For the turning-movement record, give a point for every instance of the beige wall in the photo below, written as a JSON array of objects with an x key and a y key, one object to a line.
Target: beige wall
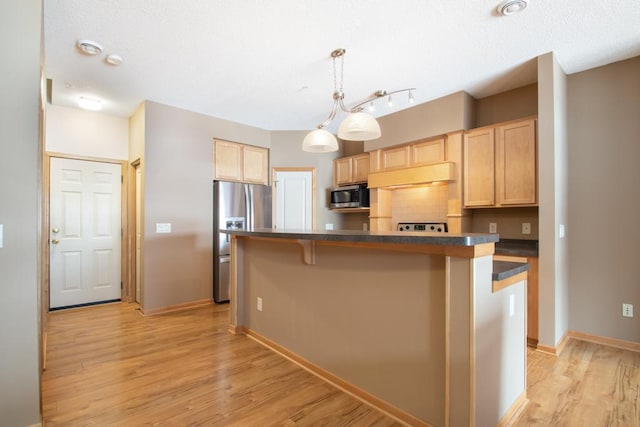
[
  {"x": 552, "y": 191},
  {"x": 326, "y": 313},
  {"x": 86, "y": 133},
  {"x": 178, "y": 189},
  {"x": 20, "y": 37},
  {"x": 286, "y": 151},
  {"x": 447, "y": 114},
  {"x": 509, "y": 105},
  {"x": 604, "y": 199},
  {"x": 508, "y": 221}
]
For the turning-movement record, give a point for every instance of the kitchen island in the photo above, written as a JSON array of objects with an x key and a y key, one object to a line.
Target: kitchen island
[{"x": 409, "y": 322}]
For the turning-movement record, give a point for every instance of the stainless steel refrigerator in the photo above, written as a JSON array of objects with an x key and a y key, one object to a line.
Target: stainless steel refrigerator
[{"x": 235, "y": 206}]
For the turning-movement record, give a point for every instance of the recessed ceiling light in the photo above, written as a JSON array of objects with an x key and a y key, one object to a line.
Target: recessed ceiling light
[
  {"x": 113, "y": 59},
  {"x": 92, "y": 104},
  {"x": 509, "y": 7},
  {"x": 89, "y": 47}
]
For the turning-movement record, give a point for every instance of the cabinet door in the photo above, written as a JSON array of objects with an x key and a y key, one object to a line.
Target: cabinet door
[
  {"x": 360, "y": 168},
  {"x": 255, "y": 164},
  {"x": 228, "y": 160},
  {"x": 427, "y": 152},
  {"x": 516, "y": 163},
  {"x": 479, "y": 166},
  {"x": 342, "y": 171},
  {"x": 395, "y": 158}
]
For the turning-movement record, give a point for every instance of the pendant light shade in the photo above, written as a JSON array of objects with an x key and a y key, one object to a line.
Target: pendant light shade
[
  {"x": 320, "y": 141},
  {"x": 359, "y": 126}
]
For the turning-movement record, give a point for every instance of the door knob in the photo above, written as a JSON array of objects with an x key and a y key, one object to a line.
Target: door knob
[
  {"x": 55, "y": 241},
  {"x": 56, "y": 230}
]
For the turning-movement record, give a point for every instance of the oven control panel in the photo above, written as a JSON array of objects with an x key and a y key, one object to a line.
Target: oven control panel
[{"x": 426, "y": 227}]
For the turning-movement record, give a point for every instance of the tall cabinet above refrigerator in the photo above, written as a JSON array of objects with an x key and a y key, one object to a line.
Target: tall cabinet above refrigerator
[{"x": 236, "y": 206}]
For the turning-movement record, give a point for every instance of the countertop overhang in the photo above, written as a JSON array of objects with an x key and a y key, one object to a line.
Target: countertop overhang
[{"x": 355, "y": 236}]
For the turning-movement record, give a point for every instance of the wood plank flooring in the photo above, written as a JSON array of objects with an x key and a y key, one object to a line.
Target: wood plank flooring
[
  {"x": 109, "y": 365},
  {"x": 587, "y": 385}
]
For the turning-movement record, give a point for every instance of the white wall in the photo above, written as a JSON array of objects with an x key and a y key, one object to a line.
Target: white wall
[
  {"x": 20, "y": 32},
  {"x": 86, "y": 133}
]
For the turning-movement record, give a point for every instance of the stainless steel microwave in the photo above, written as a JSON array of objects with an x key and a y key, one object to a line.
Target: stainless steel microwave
[{"x": 351, "y": 196}]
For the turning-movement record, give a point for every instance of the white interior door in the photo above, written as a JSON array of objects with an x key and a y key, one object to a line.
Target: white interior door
[
  {"x": 85, "y": 235},
  {"x": 294, "y": 200}
]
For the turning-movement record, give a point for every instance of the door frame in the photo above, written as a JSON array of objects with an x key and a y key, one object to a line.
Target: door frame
[
  {"x": 274, "y": 172},
  {"x": 46, "y": 222},
  {"x": 132, "y": 231}
]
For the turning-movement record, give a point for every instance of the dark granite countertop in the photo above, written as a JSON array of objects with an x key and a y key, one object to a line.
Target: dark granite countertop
[
  {"x": 516, "y": 247},
  {"x": 505, "y": 269},
  {"x": 402, "y": 237}
]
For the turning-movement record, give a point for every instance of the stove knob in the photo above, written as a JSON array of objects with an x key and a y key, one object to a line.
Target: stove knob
[
  {"x": 406, "y": 227},
  {"x": 439, "y": 229}
]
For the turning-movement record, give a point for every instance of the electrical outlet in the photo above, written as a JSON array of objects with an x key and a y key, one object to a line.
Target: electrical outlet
[
  {"x": 526, "y": 228},
  {"x": 493, "y": 227},
  {"x": 627, "y": 310},
  {"x": 259, "y": 304}
]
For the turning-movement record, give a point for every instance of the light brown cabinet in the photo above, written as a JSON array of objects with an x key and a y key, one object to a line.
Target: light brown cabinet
[
  {"x": 427, "y": 152},
  {"x": 500, "y": 165},
  {"x": 241, "y": 162},
  {"x": 409, "y": 155},
  {"x": 351, "y": 170}
]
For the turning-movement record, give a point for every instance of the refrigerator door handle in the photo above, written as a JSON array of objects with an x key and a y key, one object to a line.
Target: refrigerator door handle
[{"x": 248, "y": 191}]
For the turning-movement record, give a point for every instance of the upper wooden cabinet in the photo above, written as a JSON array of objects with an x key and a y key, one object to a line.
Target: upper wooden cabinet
[
  {"x": 406, "y": 156},
  {"x": 351, "y": 170},
  {"x": 500, "y": 165},
  {"x": 424, "y": 153},
  {"x": 394, "y": 158},
  {"x": 240, "y": 162}
]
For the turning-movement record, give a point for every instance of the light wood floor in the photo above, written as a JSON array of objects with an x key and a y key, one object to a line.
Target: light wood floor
[
  {"x": 108, "y": 365},
  {"x": 587, "y": 385}
]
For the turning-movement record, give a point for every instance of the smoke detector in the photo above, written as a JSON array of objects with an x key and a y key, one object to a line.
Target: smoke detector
[
  {"x": 509, "y": 7},
  {"x": 113, "y": 59},
  {"x": 89, "y": 47}
]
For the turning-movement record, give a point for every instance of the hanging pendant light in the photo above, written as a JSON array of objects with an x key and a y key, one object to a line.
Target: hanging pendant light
[
  {"x": 320, "y": 141},
  {"x": 357, "y": 126}
]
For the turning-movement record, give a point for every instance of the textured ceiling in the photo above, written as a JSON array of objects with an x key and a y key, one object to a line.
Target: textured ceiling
[{"x": 267, "y": 64}]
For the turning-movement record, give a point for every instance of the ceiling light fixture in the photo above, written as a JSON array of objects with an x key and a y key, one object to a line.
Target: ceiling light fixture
[
  {"x": 91, "y": 104},
  {"x": 509, "y": 7},
  {"x": 89, "y": 47},
  {"x": 357, "y": 126}
]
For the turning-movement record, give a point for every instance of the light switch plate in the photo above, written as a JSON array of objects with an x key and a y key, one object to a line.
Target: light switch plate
[
  {"x": 493, "y": 227},
  {"x": 526, "y": 228},
  {"x": 163, "y": 228},
  {"x": 328, "y": 226}
]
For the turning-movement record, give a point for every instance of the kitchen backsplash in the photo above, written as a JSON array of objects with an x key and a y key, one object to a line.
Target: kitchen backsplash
[
  {"x": 423, "y": 203},
  {"x": 508, "y": 220}
]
